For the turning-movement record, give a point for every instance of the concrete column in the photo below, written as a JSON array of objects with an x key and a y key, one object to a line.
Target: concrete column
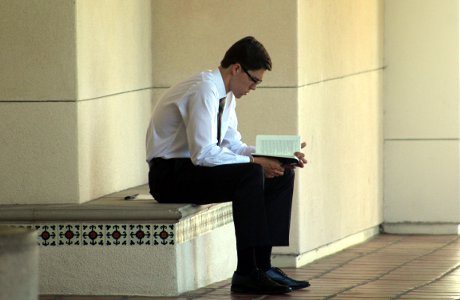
[
  {"x": 18, "y": 264},
  {"x": 73, "y": 119},
  {"x": 340, "y": 67},
  {"x": 37, "y": 108},
  {"x": 422, "y": 123}
]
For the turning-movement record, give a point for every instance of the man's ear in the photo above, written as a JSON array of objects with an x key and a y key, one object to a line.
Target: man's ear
[{"x": 236, "y": 68}]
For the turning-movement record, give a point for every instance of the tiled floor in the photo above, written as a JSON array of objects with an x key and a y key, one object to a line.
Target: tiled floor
[{"x": 386, "y": 267}]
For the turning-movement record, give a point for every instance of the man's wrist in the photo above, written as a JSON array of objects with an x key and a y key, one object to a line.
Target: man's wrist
[{"x": 251, "y": 159}]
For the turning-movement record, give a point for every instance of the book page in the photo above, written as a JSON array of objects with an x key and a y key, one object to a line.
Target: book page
[{"x": 284, "y": 145}]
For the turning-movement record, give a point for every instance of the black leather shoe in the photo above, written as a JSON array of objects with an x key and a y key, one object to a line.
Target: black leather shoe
[
  {"x": 280, "y": 277},
  {"x": 257, "y": 283}
]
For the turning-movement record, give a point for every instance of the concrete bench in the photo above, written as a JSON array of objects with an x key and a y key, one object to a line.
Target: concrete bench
[{"x": 113, "y": 246}]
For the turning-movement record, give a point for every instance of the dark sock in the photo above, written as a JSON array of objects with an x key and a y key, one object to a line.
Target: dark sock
[
  {"x": 246, "y": 261},
  {"x": 263, "y": 256}
]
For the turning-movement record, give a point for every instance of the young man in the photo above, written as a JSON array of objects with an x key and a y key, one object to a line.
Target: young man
[{"x": 196, "y": 155}]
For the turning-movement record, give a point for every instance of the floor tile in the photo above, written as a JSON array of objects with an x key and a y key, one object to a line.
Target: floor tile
[{"x": 385, "y": 267}]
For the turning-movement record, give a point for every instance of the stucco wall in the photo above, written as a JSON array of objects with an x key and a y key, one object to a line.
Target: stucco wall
[
  {"x": 340, "y": 116},
  {"x": 422, "y": 167},
  {"x": 75, "y": 96},
  {"x": 38, "y": 118},
  {"x": 325, "y": 85},
  {"x": 114, "y": 94}
]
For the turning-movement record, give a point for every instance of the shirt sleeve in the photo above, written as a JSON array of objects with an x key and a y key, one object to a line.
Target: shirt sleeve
[{"x": 200, "y": 119}]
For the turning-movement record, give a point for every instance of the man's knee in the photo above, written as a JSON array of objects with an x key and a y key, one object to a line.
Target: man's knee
[
  {"x": 252, "y": 174},
  {"x": 256, "y": 169}
]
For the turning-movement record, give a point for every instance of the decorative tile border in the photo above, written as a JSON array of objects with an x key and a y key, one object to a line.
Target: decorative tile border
[
  {"x": 50, "y": 235},
  {"x": 125, "y": 234}
]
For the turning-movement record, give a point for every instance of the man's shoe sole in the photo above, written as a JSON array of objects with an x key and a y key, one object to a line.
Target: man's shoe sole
[{"x": 245, "y": 290}]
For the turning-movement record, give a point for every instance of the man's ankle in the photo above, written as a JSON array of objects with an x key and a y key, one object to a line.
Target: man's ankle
[{"x": 245, "y": 271}]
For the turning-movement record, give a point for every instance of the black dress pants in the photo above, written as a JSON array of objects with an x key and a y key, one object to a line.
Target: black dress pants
[{"x": 261, "y": 206}]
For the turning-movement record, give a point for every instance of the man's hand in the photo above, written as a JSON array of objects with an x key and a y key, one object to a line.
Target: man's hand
[
  {"x": 301, "y": 157},
  {"x": 272, "y": 167}
]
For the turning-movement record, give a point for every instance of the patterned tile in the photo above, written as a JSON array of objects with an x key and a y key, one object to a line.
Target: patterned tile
[
  {"x": 93, "y": 234},
  {"x": 140, "y": 234},
  {"x": 96, "y": 234},
  {"x": 116, "y": 234},
  {"x": 163, "y": 234},
  {"x": 69, "y": 234},
  {"x": 104, "y": 234},
  {"x": 47, "y": 234}
]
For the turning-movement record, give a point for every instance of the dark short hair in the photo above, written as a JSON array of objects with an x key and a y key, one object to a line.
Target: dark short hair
[{"x": 248, "y": 52}]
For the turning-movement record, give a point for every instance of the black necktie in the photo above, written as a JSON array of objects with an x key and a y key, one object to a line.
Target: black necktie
[{"x": 219, "y": 118}]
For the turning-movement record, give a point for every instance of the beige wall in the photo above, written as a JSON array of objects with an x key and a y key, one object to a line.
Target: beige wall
[
  {"x": 38, "y": 118},
  {"x": 194, "y": 35},
  {"x": 340, "y": 117},
  {"x": 38, "y": 50},
  {"x": 325, "y": 85},
  {"x": 75, "y": 96},
  {"x": 114, "y": 94},
  {"x": 422, "y": 178}
]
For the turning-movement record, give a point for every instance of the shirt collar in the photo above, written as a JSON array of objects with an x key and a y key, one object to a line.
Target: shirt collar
[{"x": 219, "y": 81}]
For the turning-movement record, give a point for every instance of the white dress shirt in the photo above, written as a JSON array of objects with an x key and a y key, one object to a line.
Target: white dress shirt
[{"x": 184, "y": 124}]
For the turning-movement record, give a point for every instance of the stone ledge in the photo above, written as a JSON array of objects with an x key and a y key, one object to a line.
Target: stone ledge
[
  {"x": 111, "y": 207},
  {"x": 110, "y": 241},
  {"x": 103, "y": 219}
]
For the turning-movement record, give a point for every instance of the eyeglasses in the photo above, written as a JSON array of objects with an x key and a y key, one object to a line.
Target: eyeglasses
[{"x": 253, "y": 79}]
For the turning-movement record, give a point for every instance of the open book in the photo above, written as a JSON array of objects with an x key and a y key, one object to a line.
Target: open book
[{"x": 280, "y": 147}]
